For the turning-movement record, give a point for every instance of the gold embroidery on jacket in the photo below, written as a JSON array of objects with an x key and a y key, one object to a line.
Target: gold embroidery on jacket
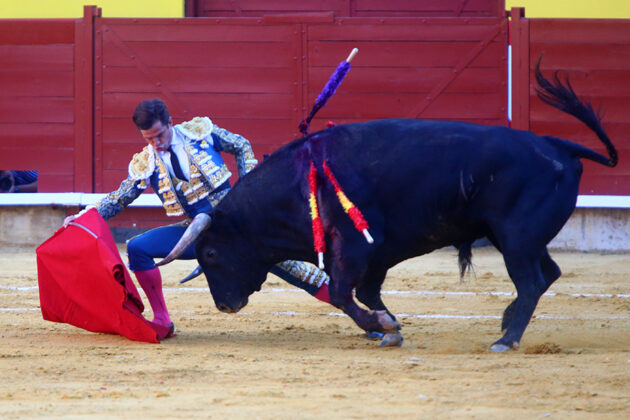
[
  {"x": 213, "y": 173},
  {"x": 165, "y": 188}
]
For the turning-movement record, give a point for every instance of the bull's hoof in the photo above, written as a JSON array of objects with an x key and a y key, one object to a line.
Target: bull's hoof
[
  {"x": 374, "y": 335},
  {"x": 387, "y": 322},
  {"x": 392, "y": 340},
  {"x": 500, "y": 347}
]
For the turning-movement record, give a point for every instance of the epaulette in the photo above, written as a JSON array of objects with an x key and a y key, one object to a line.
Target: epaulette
[
  {"x": 197, "y": 129},
  {"x": 142, "y": 164}
]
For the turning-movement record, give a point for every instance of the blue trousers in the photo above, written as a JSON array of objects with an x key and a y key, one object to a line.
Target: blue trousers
[{"x": 156, "y": 243}]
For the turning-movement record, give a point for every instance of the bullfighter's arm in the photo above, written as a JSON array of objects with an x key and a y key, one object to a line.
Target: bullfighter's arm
[
  {"x": 237, "y": 145},
  {"x": 116, "y": 201}
]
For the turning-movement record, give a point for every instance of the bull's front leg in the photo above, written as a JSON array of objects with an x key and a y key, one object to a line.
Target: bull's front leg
[{"x": 341, "y": 285}]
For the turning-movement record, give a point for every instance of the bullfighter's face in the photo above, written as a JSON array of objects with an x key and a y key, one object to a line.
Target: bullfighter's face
[{"x": 159, "y": 135}]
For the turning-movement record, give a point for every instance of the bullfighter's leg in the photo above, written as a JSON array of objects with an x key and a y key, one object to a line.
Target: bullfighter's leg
[
  {"x": 305, "y": 276},
  {"x": 527, "y": 275},
  {"x": 550, "y": 271},
  {"x": 141, "y": 250}
]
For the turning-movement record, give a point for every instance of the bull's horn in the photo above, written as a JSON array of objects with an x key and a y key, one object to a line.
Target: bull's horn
[
  {"x": 198, "y": 225},
  {"x": 196, "y": 272}
]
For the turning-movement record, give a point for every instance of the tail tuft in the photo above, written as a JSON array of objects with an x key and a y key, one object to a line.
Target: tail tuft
[
  {"x": 562, "y": 96},
  {"x": 464, "y": 258}
]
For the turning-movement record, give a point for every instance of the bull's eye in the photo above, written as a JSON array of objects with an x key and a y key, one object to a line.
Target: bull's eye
[{"x": 211, "y": 254}]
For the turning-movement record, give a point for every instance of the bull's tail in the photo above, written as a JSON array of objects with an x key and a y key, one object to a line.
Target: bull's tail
[
  {"x": 561, "y": 95},
  {"x": 464, "y": 258}
]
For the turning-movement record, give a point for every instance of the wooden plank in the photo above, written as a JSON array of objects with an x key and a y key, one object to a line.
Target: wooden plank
[
  {"x": 113, "y": 178},
  {"x": 262, "y": 7},
  {"x": 404, "y": 54},
  {"x": 580, "y": 31},
  {"x": 199, "y": 54},
  {"x": 36, "y": 110},
  {"x": 117, "y": 156},
  {"x": 520, "y": 34},
  {"x": 31, "y": 57},
  {"x": 98, "y": 126},
  {"x": 320, "y": 123},
  {"x": 425, "y": 7},
  {"x": 190, "y": 8},
  {"x": 35, "y": 135},
  {"x": 58, "y": 160},
  {"x": 594, "y": 83},
  {"x": 148, "y": 30},
  {"x": 605, "y": 184},
  {"x": 616, "y": 109},
  {"x": 36, "y": 31},
  {"x": 50, "y": 183},
  {"x": 461, "y": 66},
  {"x": 302, "y": 17},
  {"x": 250, "y": 79},
  {"x": 84, "y": 102},
  {"x": 268, "y": 106},
  {"x": 36, "y": 82},
  {"x": 142, "y": 218},
  {"x": 383, "y": 105},
  {"x": 583, "y": 57},
  {"x": 425, "y": 31},
  {"x": 411, "y": 79}
]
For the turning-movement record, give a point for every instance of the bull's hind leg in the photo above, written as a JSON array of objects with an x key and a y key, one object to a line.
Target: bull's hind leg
[
  {"x": 550, "y": 271},
  {"x": 527, "y": 274}
]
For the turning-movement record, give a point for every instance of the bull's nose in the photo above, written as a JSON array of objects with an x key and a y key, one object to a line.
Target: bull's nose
[{"x": 224, "y": 308}]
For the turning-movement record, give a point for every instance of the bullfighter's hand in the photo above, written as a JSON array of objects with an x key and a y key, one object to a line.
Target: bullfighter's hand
[{"x": 69, "y": 219}]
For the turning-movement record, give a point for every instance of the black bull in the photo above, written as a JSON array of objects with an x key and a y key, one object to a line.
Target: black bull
[{"x": 421, "y": 185}]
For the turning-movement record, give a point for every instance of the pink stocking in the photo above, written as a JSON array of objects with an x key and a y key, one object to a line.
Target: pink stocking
[{"x": 151, "y": 283}]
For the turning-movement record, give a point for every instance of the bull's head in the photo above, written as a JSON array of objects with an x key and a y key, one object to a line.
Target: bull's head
[
  {"x": 230, "y": 264},
  {"x": 226, "y": 259}
]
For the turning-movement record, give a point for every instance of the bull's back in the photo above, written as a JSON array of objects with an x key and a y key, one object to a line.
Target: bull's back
[{"x": 437, "y": 182}]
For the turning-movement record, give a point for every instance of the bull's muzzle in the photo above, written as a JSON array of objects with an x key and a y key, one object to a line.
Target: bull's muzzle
[
  {"x": 225, "y": 308},
  {"x": 198, "y": 225}
]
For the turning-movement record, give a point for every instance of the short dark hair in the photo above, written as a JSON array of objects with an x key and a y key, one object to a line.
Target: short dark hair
[{"x": 148, "y": 112}]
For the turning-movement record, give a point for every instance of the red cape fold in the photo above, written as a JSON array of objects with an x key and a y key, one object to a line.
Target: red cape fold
[{"x": 83, "y": 282}]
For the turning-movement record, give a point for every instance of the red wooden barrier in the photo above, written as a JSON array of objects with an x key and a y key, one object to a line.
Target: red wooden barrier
[
  {"x": 347, "y": 8},
  {"x": 37, "y": 99},
  {"x": 595, "y": 54},
  {"x": 259, "y": 79}
]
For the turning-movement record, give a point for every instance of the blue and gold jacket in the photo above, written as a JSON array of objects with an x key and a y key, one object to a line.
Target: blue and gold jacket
[
  {"x": 209, "y": 175},
  {"x": 208, "y": 183}
]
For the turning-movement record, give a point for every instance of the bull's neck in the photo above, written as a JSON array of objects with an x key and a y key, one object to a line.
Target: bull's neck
[{"x": 276, "y": 220}]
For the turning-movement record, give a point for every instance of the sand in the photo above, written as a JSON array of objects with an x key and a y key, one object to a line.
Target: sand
[{"x": 289, "y": 356}]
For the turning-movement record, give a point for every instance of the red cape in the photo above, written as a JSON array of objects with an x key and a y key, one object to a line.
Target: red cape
[{"x": 83, "y": 282}]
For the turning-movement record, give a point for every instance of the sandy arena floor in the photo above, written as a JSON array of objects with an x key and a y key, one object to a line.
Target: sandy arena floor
[{"x": 288, "y": 356}]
